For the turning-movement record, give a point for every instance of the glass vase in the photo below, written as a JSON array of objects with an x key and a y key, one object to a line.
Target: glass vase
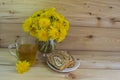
[{"x": 45, "y": 48}]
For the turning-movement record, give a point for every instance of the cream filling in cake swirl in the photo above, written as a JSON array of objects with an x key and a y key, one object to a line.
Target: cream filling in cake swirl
[
  {"x": 70, "y": 58},
  {"x": 58, "y": 61}
]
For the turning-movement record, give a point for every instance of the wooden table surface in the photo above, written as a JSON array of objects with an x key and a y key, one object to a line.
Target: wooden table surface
[{"x": 93, "y": 67}]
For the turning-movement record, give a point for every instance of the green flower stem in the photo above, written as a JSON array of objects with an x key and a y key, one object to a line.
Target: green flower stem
[
  {"x": 43, "y": 46},
  {"x": 46, "y": 47},
  {"x": 52, "y": 45}
]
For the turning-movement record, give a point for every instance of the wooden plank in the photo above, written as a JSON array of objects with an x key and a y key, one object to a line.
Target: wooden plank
[
  {"x": 94, "y": 66},
  {"x": 42, "y": 71},
  {"x": 88, "y": 59},
  {"x": 35, "y": 73},
  {"x": 95, "y": 74},
  {"x": 9, "y": 33},
  {"x": 45, "y": 73},
  {"x": 92, "y": 13},
  {"x": 79, "y": 38},
  {"x": 6, "y": 58},
  {"x": 82, "y": 38},
  {"x": 97, "y": 59}
]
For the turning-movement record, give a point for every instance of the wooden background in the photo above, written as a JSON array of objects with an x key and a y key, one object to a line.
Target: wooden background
[{"x": 94, "y": 34}]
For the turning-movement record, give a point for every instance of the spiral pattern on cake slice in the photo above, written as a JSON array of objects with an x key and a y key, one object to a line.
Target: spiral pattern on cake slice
[
  {"x": 71, "y": 61},
  {"x": 58, "y": 60},
  {"x": 71, "y": 58}
]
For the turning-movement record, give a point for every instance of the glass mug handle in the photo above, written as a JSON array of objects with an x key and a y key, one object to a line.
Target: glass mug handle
[{"x": 12, "y": 52}]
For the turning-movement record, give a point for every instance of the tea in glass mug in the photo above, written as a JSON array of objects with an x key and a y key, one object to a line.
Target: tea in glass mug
[{"x": 26, "y": 49}]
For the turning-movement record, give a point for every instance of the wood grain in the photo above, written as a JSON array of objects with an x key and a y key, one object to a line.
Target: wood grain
[
  {"x": 94, "y": 66},
  {"x": 94, "y": 24},
  {"x": 94, "y": 38},
  {"x": 37, "y": 73},
  {"x": 82, "y": 38},
  {"x": 88, "y": 59},
  {"x": 97, "y": 59},
  {"x": 79, "y": 38},
  {"x": 9, "y": 33},
  {"x": 93, "y": 13},
  {"x": 46, "y": 73}
]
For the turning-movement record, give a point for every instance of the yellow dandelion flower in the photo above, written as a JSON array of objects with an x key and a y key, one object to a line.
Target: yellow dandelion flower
[
  {"x": 43, "y": 35},
  {"x": 27, "y": 24},
  {"x": 59, "y": 17},
  {"x": 66, "y": 24},
  {"x": 62, "y": 35},
  {"x": 33, "y": 32},
  {"x": 53, "y": 33},
  {"x": 37, "y": 14},
  {"x": 22, "y": 66},
  {"x": 35, "y": 21},
  {"x": 44, "y": 22},
  {"x": 49, "y": 12}
]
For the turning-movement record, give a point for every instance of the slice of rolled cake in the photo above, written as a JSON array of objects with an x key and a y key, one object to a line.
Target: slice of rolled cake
[
  {"x": 71, "y": 58},
  {"x": 59, "y": 60},
  {"x": 71, "y": 61}
]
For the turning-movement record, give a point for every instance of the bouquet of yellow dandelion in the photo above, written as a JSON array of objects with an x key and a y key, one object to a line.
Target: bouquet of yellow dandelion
[{"x": 47, "y": 26}]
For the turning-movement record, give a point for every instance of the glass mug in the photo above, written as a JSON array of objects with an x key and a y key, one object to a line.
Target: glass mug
[{"x": 26, "y": 49}]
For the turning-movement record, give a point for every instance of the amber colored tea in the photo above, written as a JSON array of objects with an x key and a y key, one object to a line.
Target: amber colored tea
[{"x": 27, "y": 52}]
